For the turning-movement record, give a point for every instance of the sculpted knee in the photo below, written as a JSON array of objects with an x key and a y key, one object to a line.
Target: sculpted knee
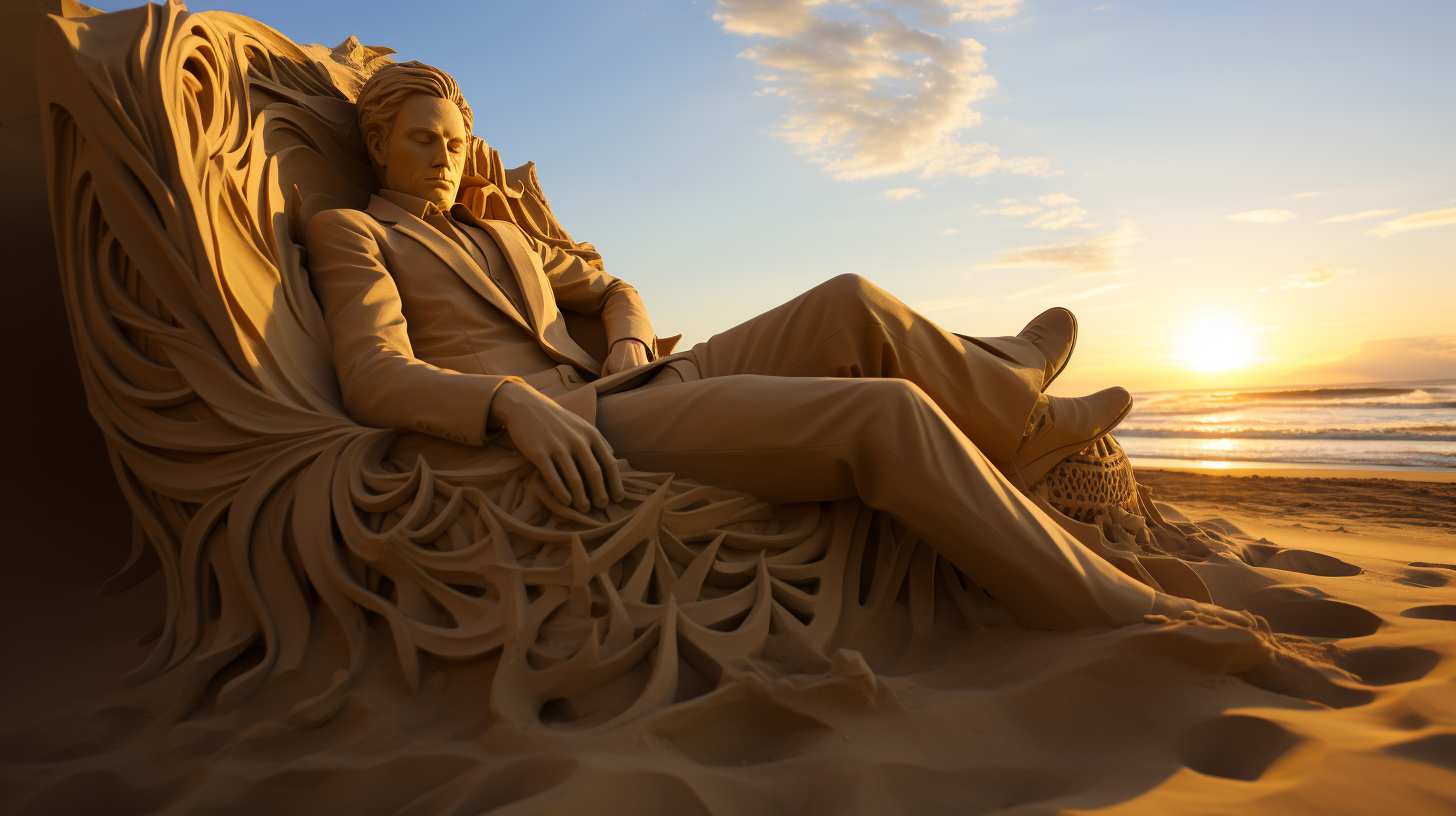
[
  {"x": 848, "y": 289},
  {"x": 896, "y": 398}
]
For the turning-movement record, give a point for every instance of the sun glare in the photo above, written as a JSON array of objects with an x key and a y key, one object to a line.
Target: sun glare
[{"x": 1218, "y": 343}]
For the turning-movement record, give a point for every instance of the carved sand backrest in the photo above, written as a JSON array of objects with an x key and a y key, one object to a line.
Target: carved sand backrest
[{"x": 184, "y": 153}]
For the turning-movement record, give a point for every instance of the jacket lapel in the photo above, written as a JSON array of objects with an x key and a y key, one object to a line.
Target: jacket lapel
[
  {"x": 448, "y": 252},
  {"x": 549, "y": 327}
]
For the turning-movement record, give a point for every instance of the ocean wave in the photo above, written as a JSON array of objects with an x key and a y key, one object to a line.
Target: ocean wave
[
  {"x": 1419, "y": 433},
  {"x": 1429, "y": 394},
  {"x": 1406, "y": 459},
  {"x": 1322, "y": 393},
  {"x": 1190, "y": 408},
  {"x": 1293, "y": 451}
]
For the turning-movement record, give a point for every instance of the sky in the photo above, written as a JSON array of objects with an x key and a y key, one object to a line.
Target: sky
[{"x": 1226, "y": 194}]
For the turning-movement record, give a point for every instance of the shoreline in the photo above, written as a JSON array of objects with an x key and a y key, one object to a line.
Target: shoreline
[
  {"x": 1290, "y": 470},
  {"x": 1369, "y": 509}
]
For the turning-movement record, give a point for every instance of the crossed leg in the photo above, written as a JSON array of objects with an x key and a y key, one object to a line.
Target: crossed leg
[
  {"x": 806, "y": 438},
  {"x": 848, "y": 327}
]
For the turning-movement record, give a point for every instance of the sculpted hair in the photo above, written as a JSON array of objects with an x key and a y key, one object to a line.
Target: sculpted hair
[{"x": 381, "y": 96}]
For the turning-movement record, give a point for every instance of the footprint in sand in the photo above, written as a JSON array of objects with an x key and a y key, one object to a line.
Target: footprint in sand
[
  {"x": 1307, "y": 562},
  {"x": 1235, "y": 746},
  {"x": 1299, "y": 611},
  {"x": 1428, "y": 574},
  {"x": 1433, "y": 565},
  {"x": 1437, "y": 749},
  {"x": 750, "y": 733},
  {"x": 1424, "y": 578},
  {"x": 1388, "y": 665},
  {"x": 1445, "y": 612}
]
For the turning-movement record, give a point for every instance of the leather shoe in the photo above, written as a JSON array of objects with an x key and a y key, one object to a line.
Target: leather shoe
[
  {"x": 1066, "y": 425},
  {"x": 1054, "y": 334}
]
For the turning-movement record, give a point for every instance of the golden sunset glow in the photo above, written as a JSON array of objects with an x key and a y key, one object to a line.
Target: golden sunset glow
[{"x": 1217, "y": 343}]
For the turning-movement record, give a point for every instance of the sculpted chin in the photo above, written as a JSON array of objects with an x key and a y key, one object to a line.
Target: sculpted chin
[{"x": 452, "y": 325}]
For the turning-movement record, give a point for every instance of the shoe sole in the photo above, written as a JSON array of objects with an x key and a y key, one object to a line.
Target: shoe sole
[
  {"x": 1070, "y": 349},
  {"x": 1038, "y": 467}
]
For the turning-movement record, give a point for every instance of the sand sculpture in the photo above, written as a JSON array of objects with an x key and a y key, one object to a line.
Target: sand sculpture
[
  {"x": 303, "y": 553},
  {"x": 209, "y": 367}
]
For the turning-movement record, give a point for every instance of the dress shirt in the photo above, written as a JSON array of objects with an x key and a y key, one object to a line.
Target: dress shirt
[{"x": 446, "y": 225}]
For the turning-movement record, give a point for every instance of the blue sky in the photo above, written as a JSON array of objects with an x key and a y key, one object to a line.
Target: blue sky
[{"x": 1205, "y": 184}]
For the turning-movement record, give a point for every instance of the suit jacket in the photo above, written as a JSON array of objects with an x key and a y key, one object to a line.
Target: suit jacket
[{"x": 422, "y": 336}]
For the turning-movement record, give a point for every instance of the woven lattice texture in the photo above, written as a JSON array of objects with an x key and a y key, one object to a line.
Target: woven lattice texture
[{"x": 1096, "y": 486}]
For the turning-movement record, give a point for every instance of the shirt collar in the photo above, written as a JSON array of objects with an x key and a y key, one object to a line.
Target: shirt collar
[{"x": 417, "y": 207}]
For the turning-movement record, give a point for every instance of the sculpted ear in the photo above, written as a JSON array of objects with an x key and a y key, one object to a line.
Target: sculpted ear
[{"x": 375, "y": 142}]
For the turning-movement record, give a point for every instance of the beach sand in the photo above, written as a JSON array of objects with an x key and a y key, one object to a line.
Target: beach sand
[{"x": 1140, "y": 720}]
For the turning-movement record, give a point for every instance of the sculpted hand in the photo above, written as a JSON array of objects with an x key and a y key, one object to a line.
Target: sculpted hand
[
  {"x": 625, "y": 354},
  {"x": 574, "y": 459}
]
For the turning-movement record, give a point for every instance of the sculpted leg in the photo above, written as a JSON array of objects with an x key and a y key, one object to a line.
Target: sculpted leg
[
  {"x": 884, "y": 440},
  {"x": 848, "y": 327}
]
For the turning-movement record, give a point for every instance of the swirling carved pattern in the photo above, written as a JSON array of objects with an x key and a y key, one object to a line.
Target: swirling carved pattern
[{"x": 185, "y": 152}]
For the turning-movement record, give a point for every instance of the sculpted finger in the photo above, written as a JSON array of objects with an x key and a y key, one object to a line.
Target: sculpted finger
[
  {"x": 592, "y": 470},
  {"x": 610, "y": 470},
  {"x": 553, "y": 480},
  {"x": 571, "y": 474}
]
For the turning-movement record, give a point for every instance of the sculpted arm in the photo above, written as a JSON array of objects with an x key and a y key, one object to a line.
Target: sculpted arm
[
  {"x": 382, "y": 382},
  {"x": 385, "y": 385},
  {"x": 581, "y": 287}
]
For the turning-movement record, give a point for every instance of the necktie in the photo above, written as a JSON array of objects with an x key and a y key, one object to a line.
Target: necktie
[{"x": 442, "y": 224}]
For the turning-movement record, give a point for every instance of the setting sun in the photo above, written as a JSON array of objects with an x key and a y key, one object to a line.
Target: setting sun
[{"x": 1217, "y": 343}]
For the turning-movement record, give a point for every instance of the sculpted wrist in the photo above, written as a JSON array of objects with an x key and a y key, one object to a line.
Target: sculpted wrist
[
  {"x": 646, "y": 349},
  {"x": 501, "y": 402}
]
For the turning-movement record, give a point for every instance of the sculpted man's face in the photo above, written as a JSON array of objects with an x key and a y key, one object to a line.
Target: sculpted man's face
[{"x": 425, "y": 153}]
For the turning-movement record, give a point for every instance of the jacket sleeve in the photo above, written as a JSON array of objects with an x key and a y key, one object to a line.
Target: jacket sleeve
[
  {"x": 581, "y": 287},
  {"x": 383, "y": 383}
]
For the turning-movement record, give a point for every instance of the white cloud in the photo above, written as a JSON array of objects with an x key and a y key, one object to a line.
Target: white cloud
[
  {"x": 950, "y": 230},
  {"x": 1035, "y": 290},
  {"x": 979, "y": 10},
  {"x": 948, "y": 304},
  {"x": 1014, "y": 209},
  {"x": 1308, "y": 195},
  {"x": 1058, "y": 219},
  {"x": 874, "y": 89},
  {"x": 1434, "y": 218},
  {"x": 902, "y": 193},
  {"x": 1109, "y": 308},
  {"x": 1094, "y": 256},
  {"x": 1341, "y": 219},
  {"x": 1397, "y": 358},
  {"x": 1096, "y": 290},
  {"x": 1316, "y": 276},
  {"x": 1262, "y": 216},
  {"x": 1057, "y": 198}
]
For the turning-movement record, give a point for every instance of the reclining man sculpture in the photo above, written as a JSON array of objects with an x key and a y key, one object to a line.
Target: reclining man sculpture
[{"x": 445, "y": 323}]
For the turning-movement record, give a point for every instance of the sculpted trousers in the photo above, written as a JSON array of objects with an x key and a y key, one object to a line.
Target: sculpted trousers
[{"x": 846, "y": 392}]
